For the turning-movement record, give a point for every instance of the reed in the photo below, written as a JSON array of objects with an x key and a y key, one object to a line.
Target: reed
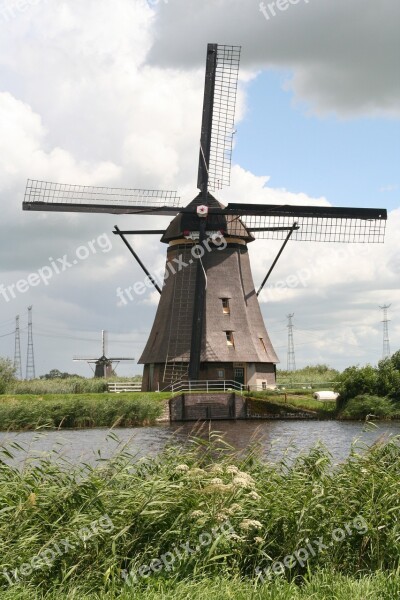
[
  {"x": 313, "y": 373},
  {"x": 72, "y": 385},
  {"x": 156, "y": 505},
  {"x": 19, "y": 412}
]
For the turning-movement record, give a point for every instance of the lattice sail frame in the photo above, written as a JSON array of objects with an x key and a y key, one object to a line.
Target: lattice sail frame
[
  {"x": 64, "y": 193},
  {"x": 314, "y": 229},
  {"x": 223, "y": 121}
]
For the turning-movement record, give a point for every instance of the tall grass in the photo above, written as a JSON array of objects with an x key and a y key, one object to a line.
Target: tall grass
[
  {"x": 311, "y": 374},
  {"x": 159, "y": 503},
  {"x": 72, "y": 385},
  {"x": 80, "y": 410}
]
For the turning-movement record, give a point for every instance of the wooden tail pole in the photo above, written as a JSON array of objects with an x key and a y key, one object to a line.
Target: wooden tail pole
[
  {"x": 289, "y": 235},
  {"x": 131, "y": 250}
]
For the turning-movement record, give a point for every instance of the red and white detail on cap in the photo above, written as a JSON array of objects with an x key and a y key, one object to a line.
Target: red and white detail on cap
[{"x": 202, "y": 210}]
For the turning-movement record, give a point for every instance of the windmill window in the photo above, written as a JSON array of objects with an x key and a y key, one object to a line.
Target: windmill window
[
  {"x": 226, "y": 309},
  {"x": 221, "y": 373},
  {"x": 229, "y": 338},
  {"x": 263, "y": 345}
]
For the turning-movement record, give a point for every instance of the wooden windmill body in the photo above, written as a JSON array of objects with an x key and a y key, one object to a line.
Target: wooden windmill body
[
  {"x": 208, "y": 324},
  {"x": 235, "y": 345}
]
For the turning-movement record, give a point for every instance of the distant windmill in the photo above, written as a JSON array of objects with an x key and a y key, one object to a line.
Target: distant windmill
[
  {"x": 103, "y": 365},
  {"x": 209, "y": 324}
]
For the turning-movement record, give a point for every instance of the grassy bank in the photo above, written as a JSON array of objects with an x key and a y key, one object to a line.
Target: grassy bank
[
  {"x": 79, "y": 410},
  {"x": 298, "y": 400},
  {"x": 235, "y": 515}
]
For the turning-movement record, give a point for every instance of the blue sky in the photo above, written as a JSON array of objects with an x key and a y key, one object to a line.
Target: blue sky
[{"x": 348, "y": 161}]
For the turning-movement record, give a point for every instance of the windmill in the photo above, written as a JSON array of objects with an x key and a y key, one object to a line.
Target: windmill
[
  {"x": 103, "y": 365},
  {"x": 208, "y": 323}
]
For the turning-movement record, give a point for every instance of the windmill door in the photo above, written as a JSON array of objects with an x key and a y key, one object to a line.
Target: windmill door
[{"x": 238, "y": 373}]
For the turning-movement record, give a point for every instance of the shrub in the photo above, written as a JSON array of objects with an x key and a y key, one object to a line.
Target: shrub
[
  {"x": 388, "y": 377},
  {"x": 355, "y": 381},
  {"x": 383, "y": 380},
  {"x": 362, "y": 406},
  {"x": 7, "y": 373}
]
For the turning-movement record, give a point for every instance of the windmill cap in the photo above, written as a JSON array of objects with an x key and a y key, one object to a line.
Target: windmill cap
[{"x": 184, "y": 222}]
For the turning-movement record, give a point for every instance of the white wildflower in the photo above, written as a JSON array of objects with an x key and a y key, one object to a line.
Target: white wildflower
[
  {"x": 196, "y": 472},
  {"x": 216, "y": 469},
  {"x": 232, "y": 469},
  {"x": 217, "y": 487},
  {"x": 181, "y": 468},
  {"x": 221, "y": 517},
  {"x": 197, "y": 514},
  {"x": 216, "y": 481},
  {"x": 243, "y": 482},
  {"x": 233, "y": 509},
  {"x": 247, "y": 524},
  {"x": 254, "y": 496},
  {"x": 245, "y": 475}
]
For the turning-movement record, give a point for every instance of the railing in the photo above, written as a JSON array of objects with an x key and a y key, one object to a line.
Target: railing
[
  {"x": 216, "y": 385},
  {"x": 129, "y": 386}
]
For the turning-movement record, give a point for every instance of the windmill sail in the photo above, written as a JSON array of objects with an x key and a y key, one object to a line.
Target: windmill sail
[
  {"x": 313, "y": 223},
  {"x": 61, "y": 197},
  {"x": 218, "y": 116}
]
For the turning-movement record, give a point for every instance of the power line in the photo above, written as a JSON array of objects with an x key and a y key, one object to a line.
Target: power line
[
  {"x": 30, "y": 359},
  {"x": 7, "y": 322},
  {"x": 291, "y": 361},
  {"x": 386, "y": 343},
  {"x": 17, "y": 350},
  {"x": 7, "y": 334},
  {"x": 39, "y": 333}
]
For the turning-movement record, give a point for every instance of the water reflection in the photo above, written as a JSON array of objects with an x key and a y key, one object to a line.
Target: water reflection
[{"x": 274, "y": 437}]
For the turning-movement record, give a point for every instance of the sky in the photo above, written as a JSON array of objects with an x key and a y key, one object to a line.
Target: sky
[{"x": 110, "y": 94}]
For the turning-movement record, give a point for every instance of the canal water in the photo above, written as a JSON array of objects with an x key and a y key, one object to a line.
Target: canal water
[{"x": 274, "y": 438}]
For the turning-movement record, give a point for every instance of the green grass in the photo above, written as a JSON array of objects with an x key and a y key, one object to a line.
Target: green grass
[
  {"x": 80, "y": 410},
  {"x": 297, "y": 400},
  {"x": 159, "y": 503},
  {"x": 322, "y": 586}
]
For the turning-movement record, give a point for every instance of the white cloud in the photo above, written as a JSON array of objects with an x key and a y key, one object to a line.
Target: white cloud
[
  {"x": 343, "y": 55},
  {"x": 83, "y": 103},
  {"x": 247, "y": 187}
]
